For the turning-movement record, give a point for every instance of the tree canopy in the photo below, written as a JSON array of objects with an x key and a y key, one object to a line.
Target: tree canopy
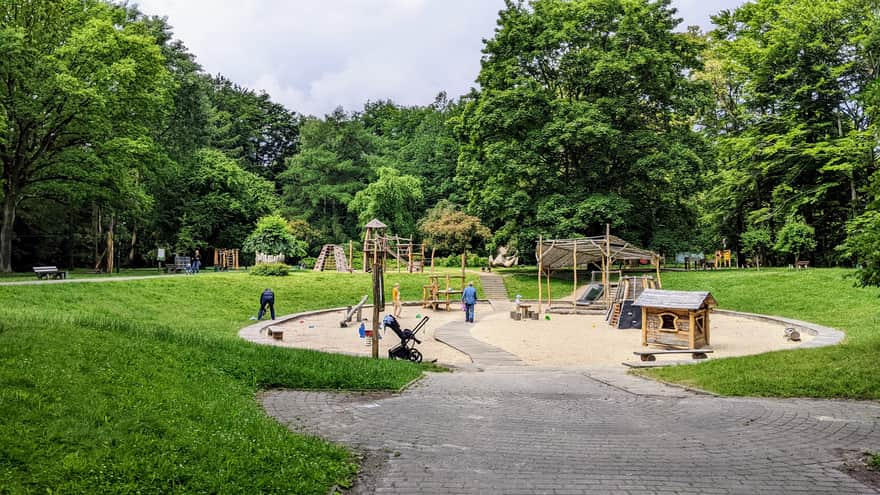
[{"x": 759, "y": 135}]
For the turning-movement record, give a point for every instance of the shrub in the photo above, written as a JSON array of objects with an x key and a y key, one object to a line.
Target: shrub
[
  {"x": 309, "y": 262},
  {"x": 270, "y": 270}
]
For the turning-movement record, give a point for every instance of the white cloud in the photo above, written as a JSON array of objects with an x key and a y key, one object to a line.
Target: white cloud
[{"x": 314, "y": 55}]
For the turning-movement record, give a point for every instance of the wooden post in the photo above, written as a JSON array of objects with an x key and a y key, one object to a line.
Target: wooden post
[
  {"x": 463, "y": 259},
  {"x": 366, "y": 236},
  {"x": 706, "y": 325},
  {"x": 549, "y": 299},
  {"x": 378, "y": 305},
  {"x": 574, "y": 262},
  {"x": 409, "y": 264},
  {"x": 397, "y": 247},
  {"x": 644, "y": 326},
  {"x": 433, "y": 250},
  {"x": 692, "y": 341},
  {"x": 540, "y": 261},
  {"x": 657, "y": 264},
  {"x": 350, "y": 256},
  {"x": 607, "y": 265}
]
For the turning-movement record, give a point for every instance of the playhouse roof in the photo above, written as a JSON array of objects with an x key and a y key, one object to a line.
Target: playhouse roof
[
  {"x": 675, "y": 299},
  {"x": 375, "y": 224},
  {"x": 559, "y": 253}
]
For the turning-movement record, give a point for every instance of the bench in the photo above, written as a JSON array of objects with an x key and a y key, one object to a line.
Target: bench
[
  {"x": 651, "y": 355},
  {"x": 49, "y": 271},
  {"x": 181, "y": 264},
  {"x": 275, "y": 333},
  {"x": 802, "y": 265}
]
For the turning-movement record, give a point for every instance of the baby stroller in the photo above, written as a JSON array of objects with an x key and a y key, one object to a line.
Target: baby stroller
[{"x": 407, "y": 347}]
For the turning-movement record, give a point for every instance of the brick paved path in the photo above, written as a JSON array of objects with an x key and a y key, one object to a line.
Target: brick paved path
[{"x": 518, "y": 430}]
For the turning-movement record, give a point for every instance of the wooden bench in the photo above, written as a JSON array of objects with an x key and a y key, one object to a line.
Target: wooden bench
[
  {"x": 49, "y": 271},
  {"x": 695, "y": 353},
  {"x": 802, "y": 265}
]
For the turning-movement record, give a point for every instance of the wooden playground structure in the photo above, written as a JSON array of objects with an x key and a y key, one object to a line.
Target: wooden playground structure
[
  {"x": 332, "y": 257},
  {"x": 226, "y": 259},
  {"x": 378, "y": 245},
  {"x": 602, "y": 251},
  {"x": 433, "y": 296}
]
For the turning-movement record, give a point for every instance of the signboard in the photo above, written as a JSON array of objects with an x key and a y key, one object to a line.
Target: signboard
[{"x": 160, "y": 254}]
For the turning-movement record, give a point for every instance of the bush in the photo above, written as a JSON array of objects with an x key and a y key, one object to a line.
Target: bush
[
  {"x": 270, "y": 270},
  {"x": 309, "y": 262}
]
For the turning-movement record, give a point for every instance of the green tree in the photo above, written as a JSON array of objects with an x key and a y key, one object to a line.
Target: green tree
[
  {"x": 582, "y": 99},
  {"x": 332, "y": 166},
  {"x": 755, "y": 243},
  {"x": 863, "y": 245},
  {"x": 220, "y": 201},
  {"x": 251, "y": 128},
  {"x": 793, "y": 120},
  {"x": 273, "y": 236},
  {"x": 795, "y": 238},
  {"x": 395, "y": 198},
  {"x": 80, "y": 86},
  {"x": 450, "y": 230}
]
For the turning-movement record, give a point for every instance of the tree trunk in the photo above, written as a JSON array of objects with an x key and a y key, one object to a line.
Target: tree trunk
[
  {"x": 111, "y": 245},
  {"x": 6, "y": 229},
  {"x": 131, "y": 250}
]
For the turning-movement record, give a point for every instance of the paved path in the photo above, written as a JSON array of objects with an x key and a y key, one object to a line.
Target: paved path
[
  {"x": 524, "y": 431},
  {"x": 503, "y": 428}
]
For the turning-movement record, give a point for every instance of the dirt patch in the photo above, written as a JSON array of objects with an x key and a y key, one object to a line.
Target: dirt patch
[{"x": 857, "y": 465}]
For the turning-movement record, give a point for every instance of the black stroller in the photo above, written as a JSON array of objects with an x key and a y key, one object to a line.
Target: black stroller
[{"x": 407, "y": 347}]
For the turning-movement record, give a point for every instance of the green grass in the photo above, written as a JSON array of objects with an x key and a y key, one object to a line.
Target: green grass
[
  {"x": 874, "y": 461},
  {"x": 144, "y": 386},
  {"x": 823, "y": 296}
]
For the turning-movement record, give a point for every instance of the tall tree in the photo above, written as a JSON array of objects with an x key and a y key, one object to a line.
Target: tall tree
[
  {"x": 794, "y": 132},
  {"x": 332, "y": 166},
  {"x": 79, "y": 88},
  {"x": 253, "y": 129},
  {"x": 583, "y": 102},
  {"x": 396, "y": 199}
]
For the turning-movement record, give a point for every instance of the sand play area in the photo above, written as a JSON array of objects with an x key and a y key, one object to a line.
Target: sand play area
[{"x": 575, "y": 341}]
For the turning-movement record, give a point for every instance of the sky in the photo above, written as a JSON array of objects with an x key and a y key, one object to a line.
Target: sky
[{"x": 315, "y": 55}]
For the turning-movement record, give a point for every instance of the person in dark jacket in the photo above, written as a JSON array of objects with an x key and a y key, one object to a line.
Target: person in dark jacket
[{"x": 267, "y": 298}]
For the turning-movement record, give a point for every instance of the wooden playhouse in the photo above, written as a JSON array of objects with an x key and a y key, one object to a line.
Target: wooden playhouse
[{"x": 677, "y": 319}]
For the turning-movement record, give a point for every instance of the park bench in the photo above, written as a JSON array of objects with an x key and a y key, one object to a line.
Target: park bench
[
  {"x": 651, "y": 355},
  {"x": 181, "y": 264},
  {"x": 49, "y": 271},
  {"x": 802, "y": 265}
]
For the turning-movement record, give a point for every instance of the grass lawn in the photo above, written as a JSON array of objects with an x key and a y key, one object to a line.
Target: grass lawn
[
  {"x": 144, "y": 386},
  {"x": 823, "y": 296}
]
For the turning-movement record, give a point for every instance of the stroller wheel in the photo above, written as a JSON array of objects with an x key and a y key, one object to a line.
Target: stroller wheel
[{"x": 415, "y": 356}]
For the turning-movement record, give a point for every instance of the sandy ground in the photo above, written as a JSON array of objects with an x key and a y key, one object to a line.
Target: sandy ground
[
  {"x": 322, "y": 332},
  {"x": 587, "y": 341},
  {"x": 582, "y": 341}
]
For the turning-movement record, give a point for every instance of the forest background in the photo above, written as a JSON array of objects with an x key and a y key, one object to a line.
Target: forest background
[{"x": 759, "y": 136}]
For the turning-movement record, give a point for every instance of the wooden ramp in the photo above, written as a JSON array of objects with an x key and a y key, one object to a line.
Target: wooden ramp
[{"x": 332, "y": 257}]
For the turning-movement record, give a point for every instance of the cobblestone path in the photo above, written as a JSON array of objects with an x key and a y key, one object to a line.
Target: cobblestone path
[{"x": 517, "y": 430}]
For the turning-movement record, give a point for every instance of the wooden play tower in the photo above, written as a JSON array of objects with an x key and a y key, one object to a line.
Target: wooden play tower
[
  {"x": 380, "y": 246},
  {"x": 374, "y": 243}
]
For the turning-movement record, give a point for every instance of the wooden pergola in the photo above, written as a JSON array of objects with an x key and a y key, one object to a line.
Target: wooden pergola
[{"x": 556, "y": 254}]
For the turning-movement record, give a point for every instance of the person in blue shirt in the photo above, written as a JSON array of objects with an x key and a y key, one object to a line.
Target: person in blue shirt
[
  {"x": 469, "y": 298},
  {"x": 267, "y": 299}
]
